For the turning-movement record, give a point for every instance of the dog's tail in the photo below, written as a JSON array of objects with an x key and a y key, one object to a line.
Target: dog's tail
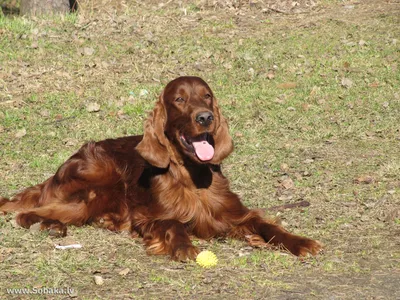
[{"x": 29, "y": 198}]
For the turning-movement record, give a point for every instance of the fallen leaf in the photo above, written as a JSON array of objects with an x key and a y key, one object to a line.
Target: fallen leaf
[
  {"x": 70, "y": 142},
  {"x": 350, "y": 43},
  {"x": 124, "y": 272},
  {"x": 91, "y": 65},
  {"x": 45, "y": 113},
  {"x": 280, "y": 100},
  {"x": 228, "y": 66},
  {"x": 247, "y": 250},
  {"x": 20, "y": 133},
  {"x": 284, "y": 167},
  {"x": 79, "y": 41},
  {"x": 198, "y": 66},
  {"x": 93, "y": 107},
  {"x": 285, "y": 198},
  {"x": 374, "y": 84},
  {"x": 271, "y": 74},
  {"x": 287, "y": 85},
  {"x": 287, "y": 183},
  {"x": 314, "y": 90},
  {"x": 365, "y": 179},
  {"x": 298, "y": 176},
  {"x": 305, "y": 106},
  {"x": 347, "y": 83}
]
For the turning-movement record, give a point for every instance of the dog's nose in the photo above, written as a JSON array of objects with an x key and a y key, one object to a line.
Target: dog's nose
[{"x": 205, "y": 118}]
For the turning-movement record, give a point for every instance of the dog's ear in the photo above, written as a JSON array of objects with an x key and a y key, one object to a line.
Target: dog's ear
[
  {"x": 154, "y": 145},
  {"x": 222, "y": 139}
]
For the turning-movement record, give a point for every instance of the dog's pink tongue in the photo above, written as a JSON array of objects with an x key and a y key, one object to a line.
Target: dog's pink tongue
[{"x": 204, "y": 150}]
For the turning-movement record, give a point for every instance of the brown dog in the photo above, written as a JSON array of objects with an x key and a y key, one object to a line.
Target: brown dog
[{"x": 164, "y": 185}]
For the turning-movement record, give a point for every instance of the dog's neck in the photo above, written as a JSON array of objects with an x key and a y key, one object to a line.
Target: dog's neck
[{"x": 201, "y": 174}]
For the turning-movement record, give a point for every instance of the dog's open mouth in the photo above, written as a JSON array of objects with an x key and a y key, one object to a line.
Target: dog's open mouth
[{"x": 200, "y": 145}]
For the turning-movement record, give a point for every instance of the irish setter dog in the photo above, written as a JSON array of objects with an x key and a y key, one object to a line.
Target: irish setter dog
[{"x": 163, "y": 186}]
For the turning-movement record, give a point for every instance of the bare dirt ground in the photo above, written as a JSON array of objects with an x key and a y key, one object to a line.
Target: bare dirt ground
[{"x": 311, "y": 90}]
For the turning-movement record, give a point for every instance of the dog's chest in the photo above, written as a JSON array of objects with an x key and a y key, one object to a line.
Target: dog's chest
[{"x": 182, "y": 200}]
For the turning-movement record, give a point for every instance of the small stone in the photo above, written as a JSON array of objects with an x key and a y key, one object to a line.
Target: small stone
[
  {"x": 93, "y": 107},
  {"x": 251, "y": 72},
  {"x": 88, "y": 51},
  {"x": 143, "y": 93},
  {"x": 20, "y": 133},
  {"x": 98, "y": 280}
]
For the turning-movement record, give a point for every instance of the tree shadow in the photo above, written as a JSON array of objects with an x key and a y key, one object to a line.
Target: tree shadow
[{"x": 11, "y": 8}]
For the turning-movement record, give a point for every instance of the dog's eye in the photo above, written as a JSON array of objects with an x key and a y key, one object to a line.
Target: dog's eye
[
  {"x": 180, "y": 100},
  {"x": 207, "y": 96}
]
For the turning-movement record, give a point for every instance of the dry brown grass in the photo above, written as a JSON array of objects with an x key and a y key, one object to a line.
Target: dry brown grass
[{"x": 334, "y": 134}]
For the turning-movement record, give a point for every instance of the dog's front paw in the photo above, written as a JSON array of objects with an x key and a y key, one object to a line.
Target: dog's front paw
[
  {"x": 27, "y": 219},
  {"x": 302, "y": 246},
  {"x": 55, "y": 228},
  {"x": 185, "y": 253}
]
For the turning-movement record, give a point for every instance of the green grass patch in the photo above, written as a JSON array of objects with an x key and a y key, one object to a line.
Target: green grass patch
[{"x": 312, "y": 97}]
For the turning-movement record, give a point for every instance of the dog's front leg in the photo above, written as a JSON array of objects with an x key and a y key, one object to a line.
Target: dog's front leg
[{"x": 169, "y": 237}]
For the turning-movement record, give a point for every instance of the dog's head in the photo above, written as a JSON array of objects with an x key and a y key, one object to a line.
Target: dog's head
[{"x": 186, "y": 122}]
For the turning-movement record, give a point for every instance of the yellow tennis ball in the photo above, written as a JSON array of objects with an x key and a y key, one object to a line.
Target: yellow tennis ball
[{"x": 206, "y": 259}]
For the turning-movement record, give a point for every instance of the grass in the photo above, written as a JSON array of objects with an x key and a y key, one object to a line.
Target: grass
[{"x": 328, "y": 116}]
